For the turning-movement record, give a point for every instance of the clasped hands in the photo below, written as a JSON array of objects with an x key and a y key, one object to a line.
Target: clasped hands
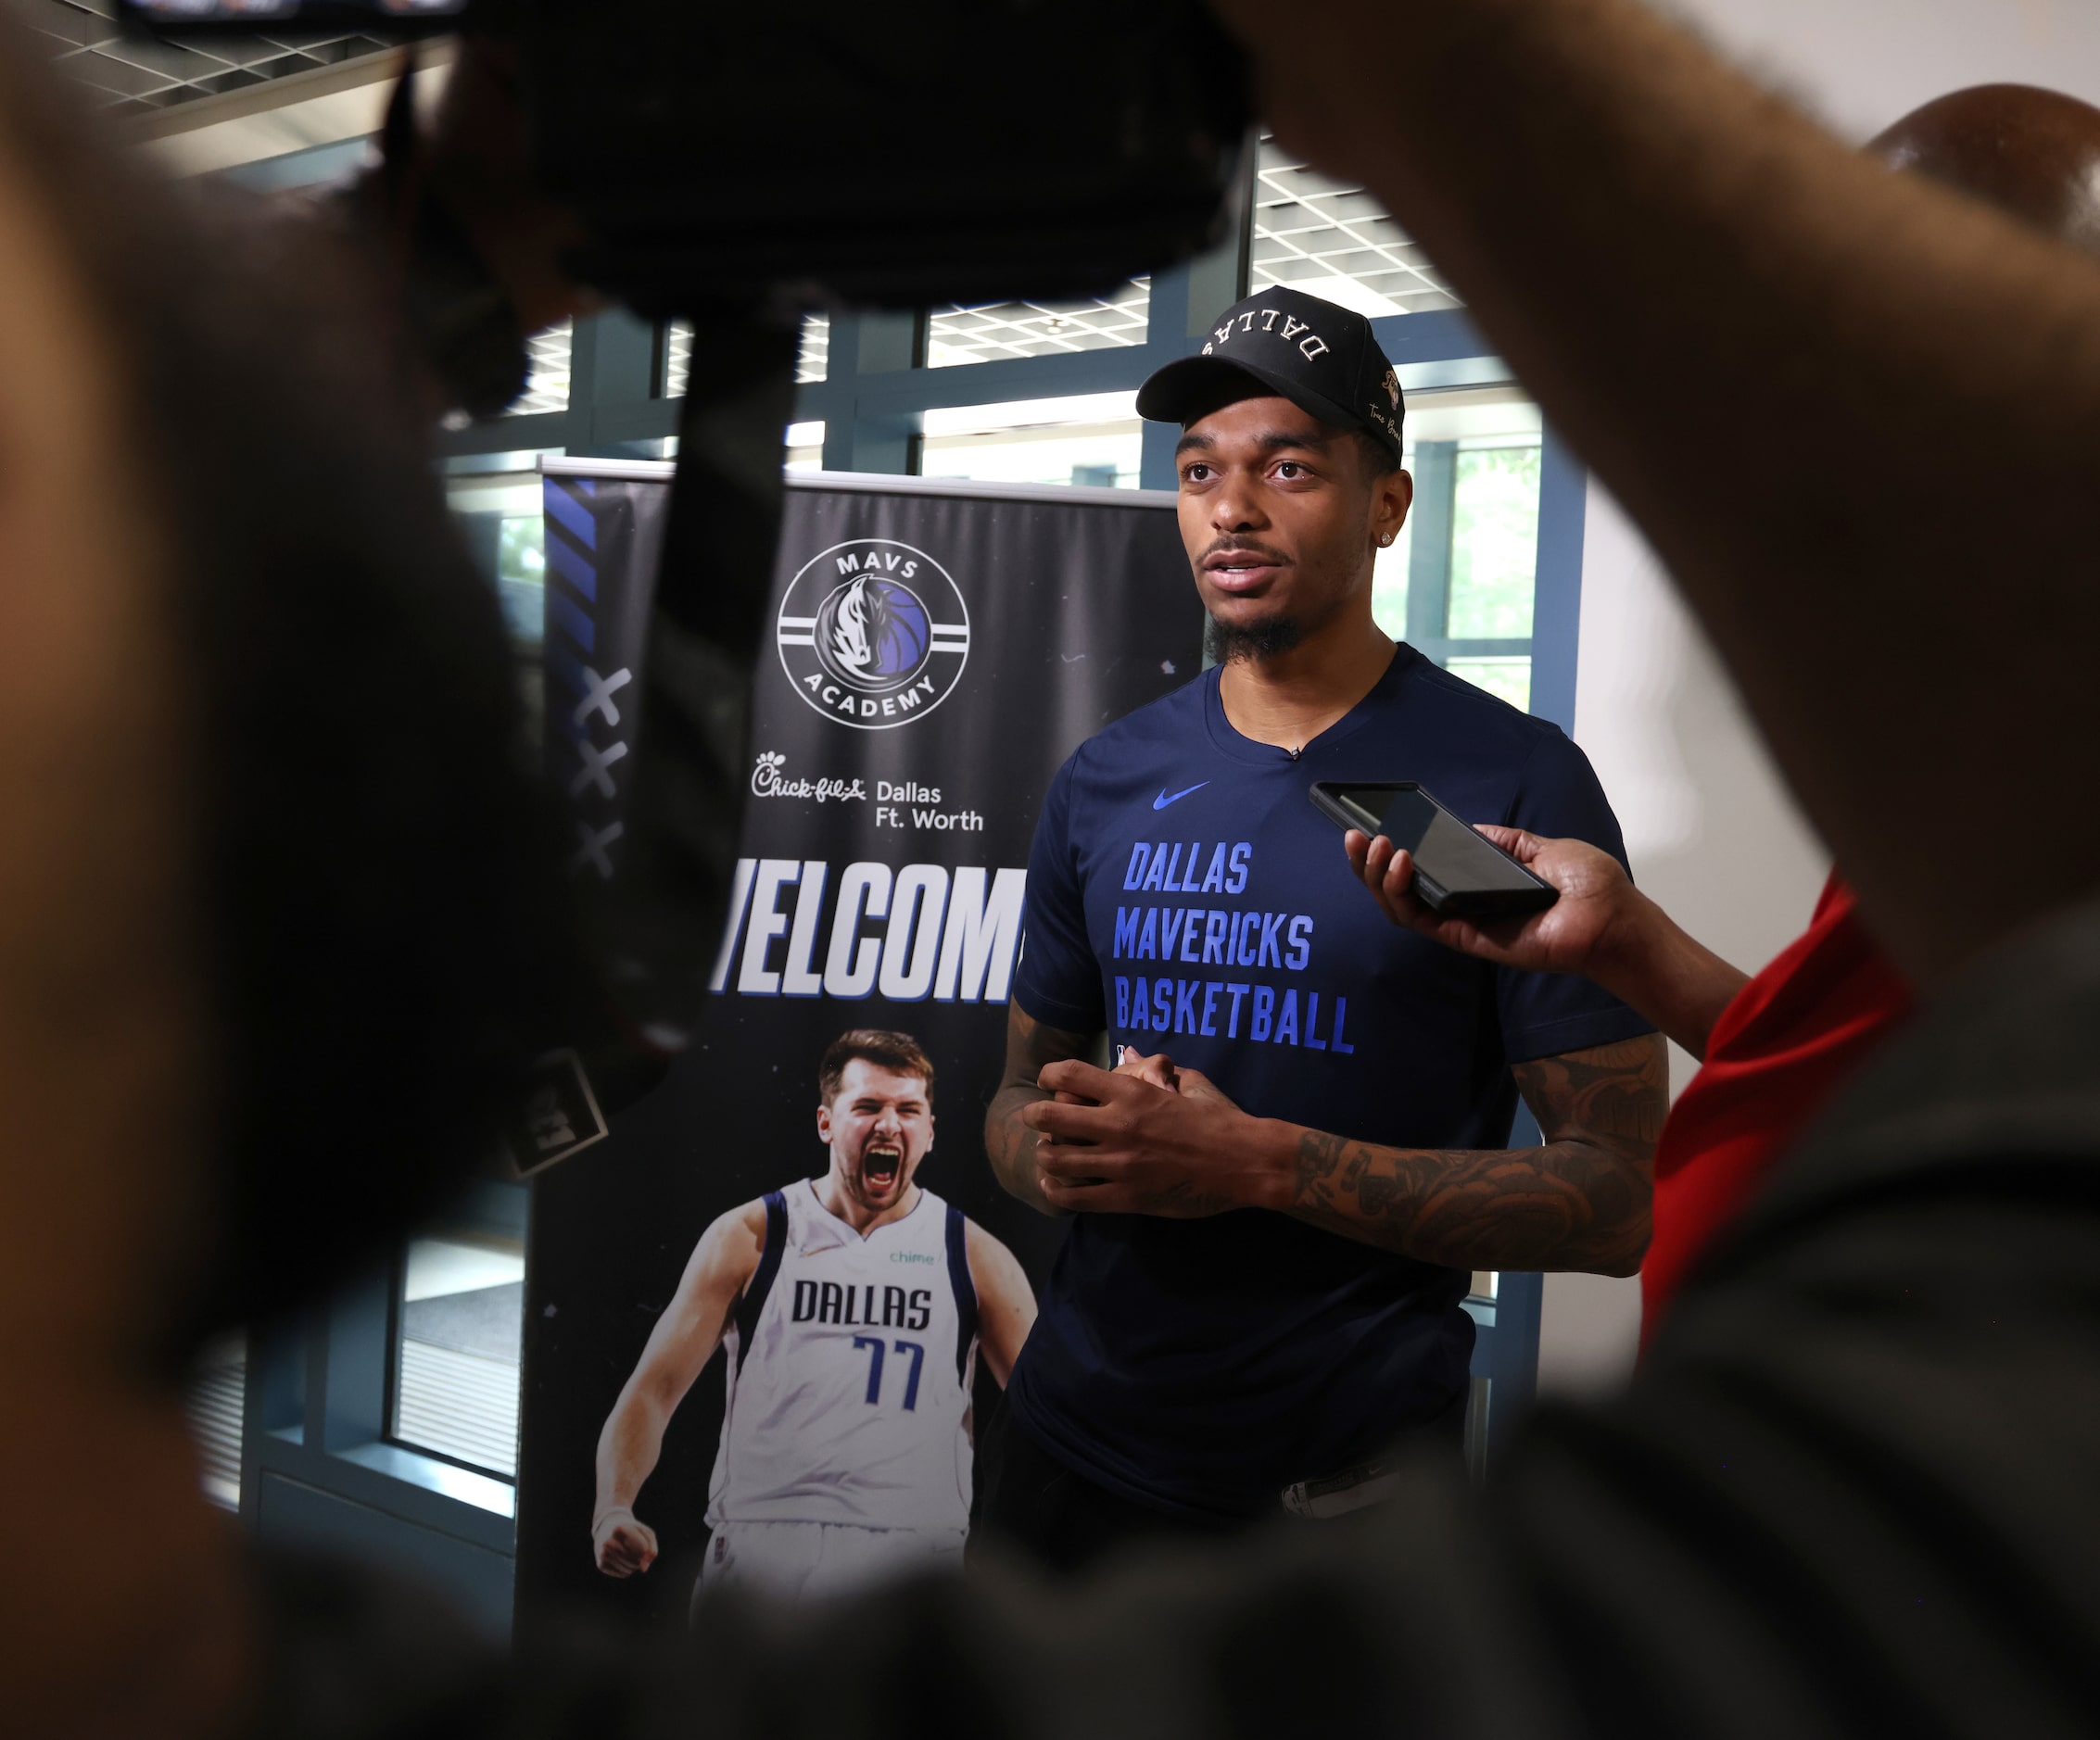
[{"x": 1151, "y": 1138}]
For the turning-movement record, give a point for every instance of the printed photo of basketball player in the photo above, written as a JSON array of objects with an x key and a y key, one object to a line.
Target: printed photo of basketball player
[{"x": 851, "y": 1309}]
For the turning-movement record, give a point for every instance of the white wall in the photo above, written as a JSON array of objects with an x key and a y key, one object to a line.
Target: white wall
[
  {"x": 1862, "y": 63},
  {"x": 1711, "y": 832}
]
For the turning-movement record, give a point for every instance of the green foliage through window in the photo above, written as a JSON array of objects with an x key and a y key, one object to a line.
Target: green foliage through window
[{"x": 1494, "y": 543}]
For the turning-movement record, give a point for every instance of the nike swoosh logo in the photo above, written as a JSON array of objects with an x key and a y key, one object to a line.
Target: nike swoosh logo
[{"x": 1162, "y": 800}]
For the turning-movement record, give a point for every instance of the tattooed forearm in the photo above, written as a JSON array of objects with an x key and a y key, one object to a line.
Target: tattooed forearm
[
  {"x": 1580, "y": 1202},
  {"x": 1008, "y": 1143},
  {"x": 1566, "y": 1206}
]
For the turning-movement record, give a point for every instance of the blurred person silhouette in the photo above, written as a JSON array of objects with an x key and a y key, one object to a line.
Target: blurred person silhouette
[
  {"x": 271, "y": 857},
  {"x": 279, "y": 916}
]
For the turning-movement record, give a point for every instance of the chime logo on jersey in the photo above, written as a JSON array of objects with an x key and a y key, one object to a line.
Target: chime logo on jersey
[{"x": 873, "y": 634}]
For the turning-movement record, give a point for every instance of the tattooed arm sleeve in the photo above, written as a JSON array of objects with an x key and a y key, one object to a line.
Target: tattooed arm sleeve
[{"x": 1580, "y": 1202}]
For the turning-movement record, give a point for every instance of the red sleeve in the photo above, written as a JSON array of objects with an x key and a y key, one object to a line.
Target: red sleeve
[{"x": 1789, "y": 1042}]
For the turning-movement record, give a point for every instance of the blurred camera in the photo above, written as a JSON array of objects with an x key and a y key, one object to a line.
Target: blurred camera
[{"x": 847, "y": 152}]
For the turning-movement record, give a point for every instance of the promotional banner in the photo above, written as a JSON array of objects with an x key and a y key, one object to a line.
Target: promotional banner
[{"x": 938, "y": 649}]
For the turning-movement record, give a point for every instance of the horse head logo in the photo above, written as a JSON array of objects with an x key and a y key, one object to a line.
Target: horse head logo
[
  {"x": 859, "y": 625},
  {"x": 873, "y": 632}
]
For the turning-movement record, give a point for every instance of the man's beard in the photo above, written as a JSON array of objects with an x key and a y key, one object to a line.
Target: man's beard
[{"x": 1225, "y": 642}]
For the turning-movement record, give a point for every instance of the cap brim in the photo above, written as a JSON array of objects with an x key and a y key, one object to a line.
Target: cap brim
[{"x": 1189, "y": 390}]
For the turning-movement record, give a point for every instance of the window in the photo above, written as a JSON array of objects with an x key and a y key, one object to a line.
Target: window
[
  {"x": 462, "y": 1317},
  {"x": 500, "y": 517},
  {"x": 1458, "y": 583},
  {"x": 991, "y": 331},
  {"x": 1333, "y": 240},
  {"x": 521, "y": 574},
  {"x": 215, "y": 1405},
  {"x": 1094, "y": 438},
  {"x": 804, "y": 446},
  {"x": 1493, "y": 541},
  {"x": 1494, "y": 566}
]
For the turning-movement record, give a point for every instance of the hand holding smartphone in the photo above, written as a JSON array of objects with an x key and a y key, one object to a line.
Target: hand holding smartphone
[{"x": 1457, "y": 872}]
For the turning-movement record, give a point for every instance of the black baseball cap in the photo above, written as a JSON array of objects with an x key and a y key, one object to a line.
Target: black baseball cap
[{"x": 1321, "y": 356}]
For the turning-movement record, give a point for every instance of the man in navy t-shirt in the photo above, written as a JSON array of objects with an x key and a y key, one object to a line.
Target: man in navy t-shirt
[{"x": 1260, "y": 1292}]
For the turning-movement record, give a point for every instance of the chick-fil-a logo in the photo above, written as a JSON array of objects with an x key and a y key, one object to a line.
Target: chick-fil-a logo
[{"x": 766, "y": 781}]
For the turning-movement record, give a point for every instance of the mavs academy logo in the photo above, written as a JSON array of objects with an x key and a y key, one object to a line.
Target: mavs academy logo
[{"x": 873, "y": 634}]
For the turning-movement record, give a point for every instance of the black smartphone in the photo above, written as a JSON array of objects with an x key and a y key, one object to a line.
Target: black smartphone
[{"x": 1457, "y": 872}]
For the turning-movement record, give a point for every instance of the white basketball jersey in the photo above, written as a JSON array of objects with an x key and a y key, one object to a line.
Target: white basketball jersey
[{"x": 850, "y": 1364}]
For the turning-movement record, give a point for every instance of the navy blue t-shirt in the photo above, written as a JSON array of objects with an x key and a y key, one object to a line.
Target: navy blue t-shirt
[{"x": 1184, "y": 895}]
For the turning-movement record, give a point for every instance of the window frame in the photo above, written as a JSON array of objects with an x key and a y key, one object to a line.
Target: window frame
[{"x": 314, "y": 1439}]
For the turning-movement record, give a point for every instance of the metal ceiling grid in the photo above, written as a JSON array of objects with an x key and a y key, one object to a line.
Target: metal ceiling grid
[
  {"x": 138, "y": 72},
  {"x": 547, "y": 373},
  {"x": 813, "y": 361},
  {"x": 677, "y": 358},
  {"x": 998, "y": 330},
  {"x": 1308, "y": 227}
]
